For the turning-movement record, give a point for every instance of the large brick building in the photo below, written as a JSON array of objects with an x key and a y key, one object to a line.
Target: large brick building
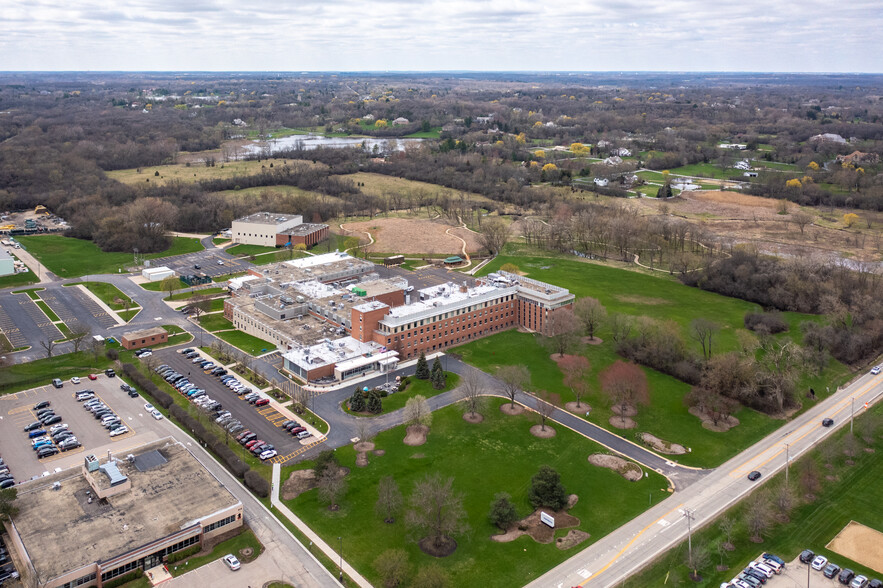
[{"x": 271, "y": 229}]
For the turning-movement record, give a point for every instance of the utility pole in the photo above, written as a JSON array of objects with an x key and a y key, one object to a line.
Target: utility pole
[
  {"x": 787, "y": 462},
  {"x": 688, "y": 514}
]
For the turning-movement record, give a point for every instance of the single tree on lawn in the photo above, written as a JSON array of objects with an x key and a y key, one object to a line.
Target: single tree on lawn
[
  {"x": 545, "y": 408},
  {"x": 437, "y": 377},
  {"x": 471, "y": 389},
  {"x": 422, "y": 372},
  {"x": 389, "y": 499},
  {"x": 576, "y": 371},
  {"x": 591, "y": 314},
  {"x": 170, "y": 284},
  {"x": 513, "y": 378},
  {"x": 200, "y": 305},
  {"x": 417, "y": 411},
  {"x": 431, "y": 576},
  {"x": 547, "y": 490},
  {"x": 437, "y": 510},
  {"x": 561, "y": 331},
  {"x": 625, "y": 384},
  {"x": 357, "y": 401},
  {"x": 393, "y": 567},
  {"x": 332, "y": 485},
  {"x": 503, "y": 511}
]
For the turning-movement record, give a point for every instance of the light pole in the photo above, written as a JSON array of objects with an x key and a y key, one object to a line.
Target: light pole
[
  {"x": 688, "y": 514},
  {"x": 340, "y": 553}
]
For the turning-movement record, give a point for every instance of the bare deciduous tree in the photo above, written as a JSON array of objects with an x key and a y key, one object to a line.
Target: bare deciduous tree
[
  {"x": 576, "y": 371},
  {"x": 726, "y": 526},
  {"x": 471, "y": 390},
  {"x": 703, "y": 331},
  {"x": 561, "y": 330},
  {"x": 389, "y": 499},
  {"x": 48, "y": 346},
  {"x": 332, "y": 485},
  {"x": 437, "y": 510},
  {"x": 545, "y": 409},
  {"x": 513, "y": 378},
  {"x": 757, "y": 517},
  {"x": 494, "y": 235},
  {"x": 801, "y": 220},
  {"x": 393, "y": 567},
  {"x": 78, "y": 337},
  {"x": 625, "y": 385}
]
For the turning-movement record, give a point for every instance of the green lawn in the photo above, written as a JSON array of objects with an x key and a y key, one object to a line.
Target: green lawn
[
  {"x": 416, "y": 387},
  {"x": 703, "y": 170},
  {"x": 848, "y": 493},
  {"x": 216, "y": 304},
  {"x": 243, "y": 249},
  {"x": 22, "y": 279},
  {"x": 498, "y": 455},
  {"x": 634, "y": 293},
  {"x": 214, "y": 322},
  {"x": 128, "y": 315},
  {"x": 194, "y": 294},
  {"x": 220, "y": 241},
  {"x": 776, "y": 165},
  {"x": 246, "y": 342},
  {"x": 47, "y": 311},
  {"x": 31, "y": 292},
  {"x": 70, "y": 258},
  {"x": 226, "y": 277},
  {"x": 432, "y": 133},
  {"x": 107, "y": 293},
  {"x": 157, "y": 286},
  {"x": 41, "y": 372},
  {"x": 232, "y": 545}
]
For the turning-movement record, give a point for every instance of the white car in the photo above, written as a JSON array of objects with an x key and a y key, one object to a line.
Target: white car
[
  {"x": 156, "y": 414},
  {"x": 819, "y": 562},
  {"x": 75, "y": 380},
  {"x": 119, "y": 431},
  {"x": 231, "y": 561},
  {"x": 876, "y": 369},
  {"x": 148, "y": 407},
  {"x": 268, "y": 454},
  {"x": 145, "y": 354}
]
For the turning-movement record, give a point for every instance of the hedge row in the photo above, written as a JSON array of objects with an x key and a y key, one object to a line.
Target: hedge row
[
  {"x": 124, "y": 579},
  {"x": 238, "y": 467},
  {"x": 257, "y": 484},
  {"x": 183, "y": 554}
]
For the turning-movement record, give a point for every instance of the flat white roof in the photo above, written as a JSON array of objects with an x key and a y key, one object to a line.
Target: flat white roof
[
  {"x": 443, "y": 296},
  {"x": 358, "y": 362},
  {"x": 315, "y": 260},
  {"x": 369, "y": 306},
  {"x": 329, "y": 352},
  {"x": 236, "y": 283},
  {"x": 155, "y": 270}
]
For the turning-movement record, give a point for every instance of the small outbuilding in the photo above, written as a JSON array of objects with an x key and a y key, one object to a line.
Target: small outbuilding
[
  {"x": 156, "y": 274},
  {"x": 144, "y": 338},
  {"x": 453, "y": 260}
]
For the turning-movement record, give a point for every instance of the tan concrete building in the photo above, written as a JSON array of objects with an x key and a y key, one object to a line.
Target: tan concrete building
[
  {"x": 144, "y": 338},
  {"x": 84, "y": 527},
  {"x": 261, "y": 228}
]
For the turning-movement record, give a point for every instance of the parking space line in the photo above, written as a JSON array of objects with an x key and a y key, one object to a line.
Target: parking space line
[{"x": 282, "y": 459}]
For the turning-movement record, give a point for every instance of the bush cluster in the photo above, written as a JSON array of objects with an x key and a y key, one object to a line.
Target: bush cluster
[{"x": 765, "y": 322}]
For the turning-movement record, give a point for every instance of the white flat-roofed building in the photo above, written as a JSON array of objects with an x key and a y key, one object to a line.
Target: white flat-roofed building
[
  {"x": 7, "y": 264},
  {"x": 155, "y": 274},
  {"x": 261, "y": 228}
]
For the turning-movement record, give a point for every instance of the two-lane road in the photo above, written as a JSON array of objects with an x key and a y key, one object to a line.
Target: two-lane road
[{"x": 624, "y": 552}]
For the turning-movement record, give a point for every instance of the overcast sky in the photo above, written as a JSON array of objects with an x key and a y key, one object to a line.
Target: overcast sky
[{"x": 588, "y": 35}]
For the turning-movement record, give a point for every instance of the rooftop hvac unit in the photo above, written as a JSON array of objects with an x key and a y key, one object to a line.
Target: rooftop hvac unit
[{"x": 56, "y": 486}]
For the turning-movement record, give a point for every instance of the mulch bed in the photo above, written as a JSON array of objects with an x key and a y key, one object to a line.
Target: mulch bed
[
  {"x": 537, "y": 431},
  {"x": 510, "y": 410},
  {"x": 446, "y": 548},
  {"x": 472, "y": 418}
]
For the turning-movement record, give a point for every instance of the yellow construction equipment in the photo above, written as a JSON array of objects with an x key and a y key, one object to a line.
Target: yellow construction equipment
[
  {"x": 40, "y": 209},
  {"x": 7, "y": 227}
]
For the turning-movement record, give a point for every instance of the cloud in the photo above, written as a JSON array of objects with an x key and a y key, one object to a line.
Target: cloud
[{"x": 753, "y": 35}]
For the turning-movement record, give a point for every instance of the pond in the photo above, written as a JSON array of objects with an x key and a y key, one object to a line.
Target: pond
[{"x": 311, "y": 141}]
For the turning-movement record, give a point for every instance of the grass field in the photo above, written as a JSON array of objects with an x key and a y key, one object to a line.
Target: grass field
[
  {"x": 432, "y": 133},
  {"x": 381, "y": 185},
  {"x": 41, "y": 372},
  {"x": 847, "y": 493},
  {"x": 498, "y": 455},
  {"x": 622, "y": 291},
  {"x": 194, "y": 294},
  {"x": 107, "y": 293},
  {"x": 248, "y": 343},
  {"x": 253, "y": 194},
  {"x": 216, "y": 304},
  {"x": 704, "y": 170},
  {"x": 193, "y": 173},
  {"x": 243, "y": 249},
  {"x": 15, "y": 280},
  {"x": 70, "y": 258},
  {"x": 214, "y": 322},
  {"x": 128, "y": 315}
]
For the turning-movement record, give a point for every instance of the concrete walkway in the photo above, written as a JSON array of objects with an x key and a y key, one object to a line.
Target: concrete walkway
[{"x": 303, "y": 528}]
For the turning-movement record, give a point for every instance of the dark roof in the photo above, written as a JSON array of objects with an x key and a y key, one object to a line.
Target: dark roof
[{"x": 148, "y": 461}]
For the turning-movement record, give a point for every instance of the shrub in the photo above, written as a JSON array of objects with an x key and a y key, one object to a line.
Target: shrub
[
  {"x": 357, "y": 401},
  {"x": 768, "y": 322},
  {"x": 257, "y": 484},
  {"x": 124, "y": 579},
  {"x": 183, "y": 554},
  {"x": 326, "y": 460},
  {"x": 112, "y": 354},
  {"x": 547, "y": 490}
]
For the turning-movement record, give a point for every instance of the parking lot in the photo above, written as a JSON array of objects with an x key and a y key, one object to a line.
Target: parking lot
[
  {"x": 795, "y": 576},
  {"x": 16, "y": 412},
  {"x": 265, "y": 421},
  {"x": 206, "y": 260}
]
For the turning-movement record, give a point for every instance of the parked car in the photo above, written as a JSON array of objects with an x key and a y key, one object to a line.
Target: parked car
[
  {"x": 32, "y": 426},
  {"x": 831, "y": 570},
  {"x": 119, "y": 431},
  {"x": 859, "y": 582},
  {"x": 262, "y": 402},
  {"x": 156, "y": 414},
  {"x": 57, "y": 383},
  {"x": 819, "y": 562},
  {"x": 110, "y": 373},
  {"x": 42, "y": 405},
  {"x": 265, "y": 455},
  {"x": 93, "y": 377},
  {"x": 230, "y": 559},
  {"x": 846, "y": 576},
  {"x": 875, "y": 583},
  {"x": 807, "y": 556},
  {"x": 75, "y": 380}
]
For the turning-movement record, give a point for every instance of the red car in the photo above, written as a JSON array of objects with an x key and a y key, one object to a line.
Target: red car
[
  {"x": 262, "y": 402},
  {"x": 93, "y": 377},
  {"x": 251, "y": 444}
]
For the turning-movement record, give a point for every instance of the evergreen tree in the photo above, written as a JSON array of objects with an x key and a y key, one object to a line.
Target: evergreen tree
[
  {"x": 502, "y": 511},
  {"x": 438, "y": 375},
  {"x": 547, "y": 490},
  {"x": 664, "y": 191},
  {"x": 422, "y": 372},
  {"x": 357, "y": 402},
  {"x": 375, "y": 404}
]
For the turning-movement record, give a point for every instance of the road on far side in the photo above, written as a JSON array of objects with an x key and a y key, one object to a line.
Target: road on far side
[{"x": 627, "y": 550}]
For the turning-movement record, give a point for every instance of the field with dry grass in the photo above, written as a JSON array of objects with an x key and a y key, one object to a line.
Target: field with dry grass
[
  {"x": 413, "y": 236},
  {"x": 196, "y": 171},
  {"x": 381, "y": 185}
]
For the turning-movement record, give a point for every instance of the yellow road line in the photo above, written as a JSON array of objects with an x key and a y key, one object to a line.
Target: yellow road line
[{"x": 629, "y": 544}]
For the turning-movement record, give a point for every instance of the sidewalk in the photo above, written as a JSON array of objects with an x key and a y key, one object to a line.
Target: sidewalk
[{"x": 303, "y": 528}]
